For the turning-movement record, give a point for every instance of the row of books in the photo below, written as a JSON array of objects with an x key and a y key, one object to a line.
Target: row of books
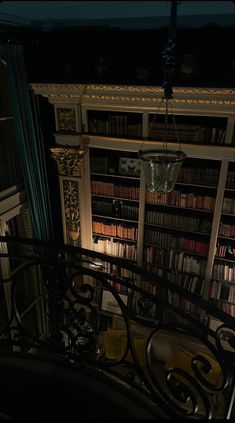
[
  {"x": 114, "y": 269},
  {"x": 113, "y": 230},
  {"x": 112, "y": 190},
  {"x": 225, "y": 251},
  {"x": 193, "y": 224},
  {"x": 163, "y": 239},
  {"x": 107, "y": 207},
  {"x": 118, "y": 249},
  {"x": 115, "y": 125},
  {"x": 180, "y": 199},
  {"x": 229, "y": 205},
  {"x": 220, "y": 291},
  {"x": 198, "y": 176},
  {"x": 230, "y": 180},
  {"x": 224, "y": 272},
  {"x": 226, "y": 307},
  {"x": 227, "y": 230},
  {"x": 184, "y": 304},
  {"x": 188, "y": 133},
  {"x": 175, "y": 260},
  {"x": 185, "y": 280}
]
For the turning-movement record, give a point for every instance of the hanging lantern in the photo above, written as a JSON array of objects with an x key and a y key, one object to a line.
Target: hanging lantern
[{"x": 162, "y": 166}]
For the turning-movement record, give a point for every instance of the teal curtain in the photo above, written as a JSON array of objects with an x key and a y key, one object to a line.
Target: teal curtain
[{"x": 30, "y": 143}]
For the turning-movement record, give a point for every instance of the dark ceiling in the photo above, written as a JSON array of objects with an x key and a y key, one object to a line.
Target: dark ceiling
[
  {"x": 49, "y": 15},
  {"x": 74, "y": 42}
]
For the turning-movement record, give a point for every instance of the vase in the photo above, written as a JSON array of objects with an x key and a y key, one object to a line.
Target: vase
[{"x": 74, "y": 235}]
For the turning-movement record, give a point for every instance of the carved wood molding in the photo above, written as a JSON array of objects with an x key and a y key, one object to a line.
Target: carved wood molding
[
  {"x": 68, "y": 160},
  {"x": 80, "y": 88},
  {"x": 137, "y": 96}
]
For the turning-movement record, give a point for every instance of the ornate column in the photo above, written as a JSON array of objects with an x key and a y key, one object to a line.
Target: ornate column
[{"x": 68, "y": 161}]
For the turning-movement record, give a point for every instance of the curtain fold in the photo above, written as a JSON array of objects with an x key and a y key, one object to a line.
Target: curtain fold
[{"x": 30, "y": 144}]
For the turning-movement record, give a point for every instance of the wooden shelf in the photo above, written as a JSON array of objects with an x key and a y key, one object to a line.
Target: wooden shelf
[
  {"x": 224, "y": 259},
  {"x": 114, "y": 237},
  {"x": 189, "y": 184},
  {"x": 111, "y": 175},
  {"x": 182, "y": 208},
  {"x": 173, "y": 228},
  {"x": 174, "y": 249},
  {"x": 226, "y": 237},
  {"x": 122, "y": 219},
  {"x": 114, "y": 198}
]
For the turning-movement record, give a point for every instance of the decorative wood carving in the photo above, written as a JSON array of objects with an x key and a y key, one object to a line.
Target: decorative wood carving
[
  {"x": 71, "y": 208},
  {"x": 68, "y": 160},
  {"x": 66, "y": 119},
  {"x": 189, "y": 99}
]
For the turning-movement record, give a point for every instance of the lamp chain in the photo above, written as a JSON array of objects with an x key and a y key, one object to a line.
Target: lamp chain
[
  {"x": 168, "y": 53},
  {"x": 165, "y": 139}
]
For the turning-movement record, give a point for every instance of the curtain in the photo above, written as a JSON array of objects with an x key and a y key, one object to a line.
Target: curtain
[{"x": 30, "y": 144}]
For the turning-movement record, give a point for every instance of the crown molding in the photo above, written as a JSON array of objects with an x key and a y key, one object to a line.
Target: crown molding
[{"x": 217, "y": 101}]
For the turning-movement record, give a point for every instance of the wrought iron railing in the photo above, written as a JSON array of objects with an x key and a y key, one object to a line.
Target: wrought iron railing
[{"x": 113, "y": 316}]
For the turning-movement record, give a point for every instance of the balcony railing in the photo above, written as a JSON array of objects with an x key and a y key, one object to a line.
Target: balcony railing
[{"x": 111, "y": 318}]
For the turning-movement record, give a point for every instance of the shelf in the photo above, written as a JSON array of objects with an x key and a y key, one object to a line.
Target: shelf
[
  {"x": 226, "y": 237},
  {"x": 114, "y": 237},
  {"x": 227, "y": 214},
  {"x": 224, "y": 259},
  {"x": 115, "y": 176},
  {"x": 230, "y": 189},
  {"x": 114, "y": 218},
  {"x": 196, "y": 185},
  {"x": 175, "y": 249},
  {"x": 177, "y": 229},
  {"x": 114, "y": 198},
  {"x": 179, "y": 207},
  {"x": 121, "y": 257}
]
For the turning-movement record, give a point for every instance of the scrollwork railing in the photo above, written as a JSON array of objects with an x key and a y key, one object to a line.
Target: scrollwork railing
[{"x": 112, "y": 315}]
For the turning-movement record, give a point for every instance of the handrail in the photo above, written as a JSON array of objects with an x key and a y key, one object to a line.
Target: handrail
[{"x": 173, "y": 358}]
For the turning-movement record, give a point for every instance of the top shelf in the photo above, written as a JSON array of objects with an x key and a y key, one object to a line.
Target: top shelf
[{"x": 188, "y": 129}]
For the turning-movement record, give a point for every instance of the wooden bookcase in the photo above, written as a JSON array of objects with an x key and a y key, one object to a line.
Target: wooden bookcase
[{"x": 188, "y": 235}]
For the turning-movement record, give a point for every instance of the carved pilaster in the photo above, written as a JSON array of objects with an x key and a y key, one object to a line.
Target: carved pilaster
[
  {"x": 70, "y": 201},
  {"x": 68, "y": 160}
]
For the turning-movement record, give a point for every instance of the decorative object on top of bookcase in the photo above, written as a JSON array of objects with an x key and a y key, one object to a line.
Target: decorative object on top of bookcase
[
  {"x": 68, "y": 160},
  {"x": 66, "y": 119},
  {"x": 162, "y": 166}
]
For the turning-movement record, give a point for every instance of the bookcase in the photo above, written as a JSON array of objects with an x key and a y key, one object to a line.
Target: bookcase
[
  {"x": 188, "y": 235},
  {"x": 222, "y": 287}
]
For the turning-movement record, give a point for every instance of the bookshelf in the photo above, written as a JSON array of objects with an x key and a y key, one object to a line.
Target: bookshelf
[
  {"x": 118, "y": 124},
  {"x": 115, "y": 189},
  {"x": 205, "y": 130},
  {"x": 184, "y": 235},
  {"x": 222, "y": 287}
]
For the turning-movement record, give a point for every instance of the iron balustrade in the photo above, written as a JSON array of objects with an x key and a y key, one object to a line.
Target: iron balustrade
[{"x": 73, "y": 281}]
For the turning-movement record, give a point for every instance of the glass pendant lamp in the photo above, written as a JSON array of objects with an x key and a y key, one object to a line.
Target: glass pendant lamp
[
  {"x": 161, "y": 166},
  {"x": 161, "y": 169}
]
